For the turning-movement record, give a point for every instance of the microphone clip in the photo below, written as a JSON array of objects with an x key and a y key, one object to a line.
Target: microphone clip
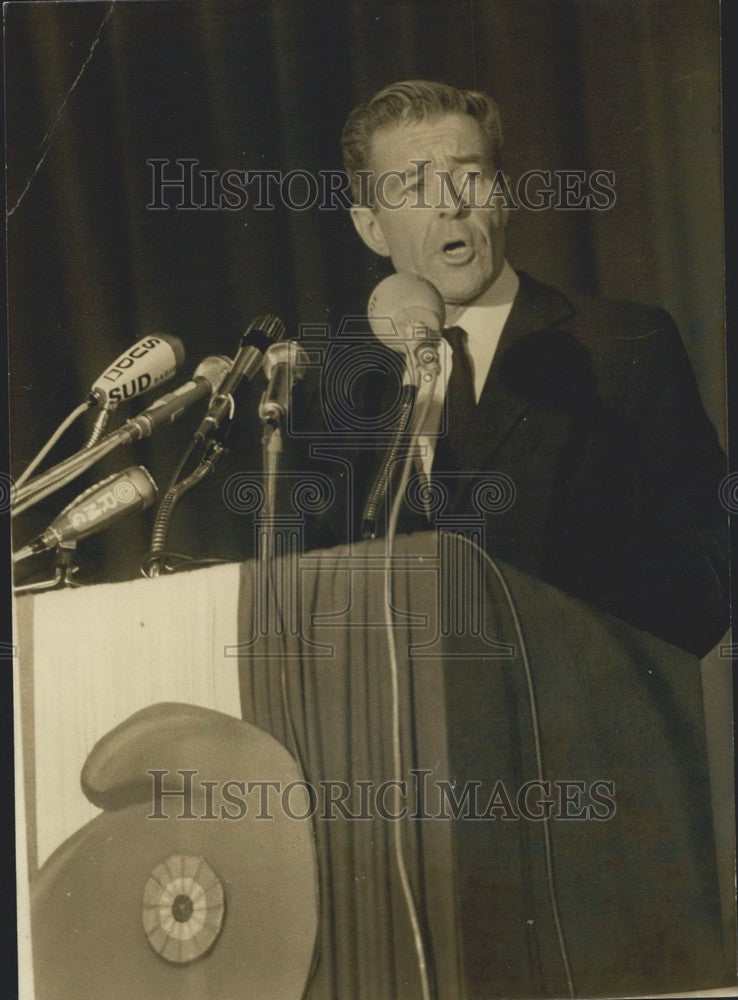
[
  {"x": 222, "y": 407},
  {"x": 66, "y": 569}
]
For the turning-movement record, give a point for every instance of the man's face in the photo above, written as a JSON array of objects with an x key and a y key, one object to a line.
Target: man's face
[{"x": 459, "y": 248}]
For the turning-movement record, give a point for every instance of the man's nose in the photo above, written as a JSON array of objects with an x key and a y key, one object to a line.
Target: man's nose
[
  {"x": 451, "y": 210},
  {"x": 453, "y": 200}
]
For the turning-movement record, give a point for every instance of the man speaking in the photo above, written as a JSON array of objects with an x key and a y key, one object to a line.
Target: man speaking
[{"x": 590, "y": 407}]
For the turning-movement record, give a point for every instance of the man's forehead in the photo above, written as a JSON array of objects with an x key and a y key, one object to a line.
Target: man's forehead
[{"x": 456, "y": 136}]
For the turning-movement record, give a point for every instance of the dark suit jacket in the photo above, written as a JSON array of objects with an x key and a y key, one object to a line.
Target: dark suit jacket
[{"x": 592, "y": 413}]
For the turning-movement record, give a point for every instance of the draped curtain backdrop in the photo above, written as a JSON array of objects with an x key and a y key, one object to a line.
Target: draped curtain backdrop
[{"x": 95, "y": 90}]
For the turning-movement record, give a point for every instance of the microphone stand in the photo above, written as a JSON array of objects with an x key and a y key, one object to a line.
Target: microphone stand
[
  {"x": 65, "y": 570},
  {"x": 271, "y": 443},
  {"x": 49, "y": 482},
  {"x": 378, "y": 492},
  {"x": 426, "y": 370},
  {"x": 213, "y": 436},
  {"x": 271, "y": 449}
]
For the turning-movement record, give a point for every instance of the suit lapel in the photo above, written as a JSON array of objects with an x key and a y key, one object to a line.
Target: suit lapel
[{"x": 500, "y": 408}]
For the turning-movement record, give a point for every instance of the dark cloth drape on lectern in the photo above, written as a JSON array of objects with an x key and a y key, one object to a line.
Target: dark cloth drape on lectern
[{"x": 635, "y": 892}]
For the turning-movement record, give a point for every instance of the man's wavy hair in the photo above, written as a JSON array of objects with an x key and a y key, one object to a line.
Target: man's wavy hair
[{"x": 412, "y": 101}]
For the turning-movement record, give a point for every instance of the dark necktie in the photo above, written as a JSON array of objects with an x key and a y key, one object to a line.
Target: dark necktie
[{"x": 454, "y": 449}]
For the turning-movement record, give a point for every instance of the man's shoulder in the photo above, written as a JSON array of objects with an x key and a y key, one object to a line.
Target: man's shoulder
[
  {"x": 625, "y": 342},
  {"x": 600, "y": 318},
  {"x": 632, "y": 350}
]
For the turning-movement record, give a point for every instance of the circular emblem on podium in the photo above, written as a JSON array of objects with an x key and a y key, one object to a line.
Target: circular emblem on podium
[{"x": 183, "y": 908}]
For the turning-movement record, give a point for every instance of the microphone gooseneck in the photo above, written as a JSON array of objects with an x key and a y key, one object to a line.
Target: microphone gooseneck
[{"x": 260, "y": 335}]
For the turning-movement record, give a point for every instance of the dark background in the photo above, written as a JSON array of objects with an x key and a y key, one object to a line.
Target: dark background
[{"x": 632, "y": 87}]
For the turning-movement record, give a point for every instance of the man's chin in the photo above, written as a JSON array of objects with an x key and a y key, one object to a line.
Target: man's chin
[{"x": 460, "y": 292}]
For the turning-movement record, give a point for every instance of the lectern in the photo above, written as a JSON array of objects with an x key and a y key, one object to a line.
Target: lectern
[{"x": 552, "y": 795}]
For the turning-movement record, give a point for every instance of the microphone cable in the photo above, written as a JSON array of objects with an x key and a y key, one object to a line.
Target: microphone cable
[
  {"x": 61, "y": 429},
  {"x": 533, "y": 709},
  {"x": 407, "y": 891},
  {"x": 98, "y": 429}
]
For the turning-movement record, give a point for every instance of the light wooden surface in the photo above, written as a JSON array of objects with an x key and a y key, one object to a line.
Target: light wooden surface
[{"x": 101, "y": 654}]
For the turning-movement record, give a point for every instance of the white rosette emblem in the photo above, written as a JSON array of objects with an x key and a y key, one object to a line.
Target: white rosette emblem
[{"x": 183, "y": 908}]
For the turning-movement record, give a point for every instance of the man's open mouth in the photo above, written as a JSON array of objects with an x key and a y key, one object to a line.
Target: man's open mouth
[{"x": 457, "y": 251}]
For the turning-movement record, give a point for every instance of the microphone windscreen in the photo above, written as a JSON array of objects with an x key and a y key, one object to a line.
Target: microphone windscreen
[
  {"x": 148, "y": 363},
  {"x": 214, "y": 370},
  {"x": 177, "y": 347},
  {"x": 405, "y": 307},
  {"x": 287, "y": 352}
]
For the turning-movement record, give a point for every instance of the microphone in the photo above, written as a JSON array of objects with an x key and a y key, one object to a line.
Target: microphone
[
  {"x": 208, "y": 378},
  {"x": 99, "y": 507},
  {"x": 148, "y": 363},
  {"x": 407, "y": 314},
  {"x": 264, "y": 331},
  {"x": 284, "y": 364},
  {"x": 151, "y": 361}
]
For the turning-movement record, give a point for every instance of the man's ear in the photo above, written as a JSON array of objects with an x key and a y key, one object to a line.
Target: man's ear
[{"x": 369, "y": 229}]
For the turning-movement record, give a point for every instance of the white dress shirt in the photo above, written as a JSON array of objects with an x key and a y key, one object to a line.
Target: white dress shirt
[{"x": 483, "y": 322}]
